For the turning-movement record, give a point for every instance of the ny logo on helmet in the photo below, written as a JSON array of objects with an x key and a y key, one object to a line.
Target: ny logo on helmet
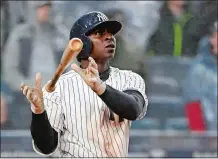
[{"x": 102, "y": 17}]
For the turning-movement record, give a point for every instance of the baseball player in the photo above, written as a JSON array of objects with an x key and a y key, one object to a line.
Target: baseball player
[{"x": 90, "y": 112}]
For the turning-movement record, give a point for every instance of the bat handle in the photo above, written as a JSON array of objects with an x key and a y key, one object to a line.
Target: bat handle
[
  {"x": 50, "y": 87},
  {"x": 72, "y": 50}
]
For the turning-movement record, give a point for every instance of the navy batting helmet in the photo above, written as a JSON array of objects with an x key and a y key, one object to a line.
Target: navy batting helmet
[{"x": 86, "y": 24}]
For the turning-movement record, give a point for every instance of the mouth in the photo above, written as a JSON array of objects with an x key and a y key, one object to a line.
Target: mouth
[{"x": 112, "y": 46}]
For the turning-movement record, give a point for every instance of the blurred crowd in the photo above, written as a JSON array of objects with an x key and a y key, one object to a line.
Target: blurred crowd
[{"x": 34, "y": 35}]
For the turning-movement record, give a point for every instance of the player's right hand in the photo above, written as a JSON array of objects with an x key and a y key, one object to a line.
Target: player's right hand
[{"x": 34, "y": 95}]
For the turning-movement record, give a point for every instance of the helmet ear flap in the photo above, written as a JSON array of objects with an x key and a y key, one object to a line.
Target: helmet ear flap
[{"x": 87, "y": 48}]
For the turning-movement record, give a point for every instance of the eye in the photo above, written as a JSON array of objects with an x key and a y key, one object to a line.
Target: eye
[{"x": 99, "y": 32}]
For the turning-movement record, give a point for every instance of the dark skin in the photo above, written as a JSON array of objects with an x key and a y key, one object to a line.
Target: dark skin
[{"x": 101, "y": 38}]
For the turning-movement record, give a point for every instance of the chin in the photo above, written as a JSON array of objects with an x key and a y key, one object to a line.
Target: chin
[
  {"x": 108, "y": 56},
  {"x": 110, "y": 51},
  {"x": 111, "y": 54}
]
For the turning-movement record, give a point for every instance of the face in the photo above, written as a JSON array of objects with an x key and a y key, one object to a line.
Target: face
[
  {"x": 213, "y": 41},
  {"x": 104, "y": 45},
  {"x": 43, "y": 13}
]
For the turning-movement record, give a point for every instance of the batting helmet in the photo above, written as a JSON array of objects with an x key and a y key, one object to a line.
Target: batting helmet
[{"x": 86, "y": 24}]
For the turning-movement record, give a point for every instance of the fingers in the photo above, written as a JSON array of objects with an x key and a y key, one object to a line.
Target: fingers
[
  {"x": 22, "y": 86},
  {"x": 32, "y": 97},
  {"x": 93, "y": 71},
  {"x": 28, "y": 92},
  {"x": 79, "y": 71},
  {"x": 90, "y": 75},
  {"x": 29, "y": 95},
  {"x": 93, "y": 79},
  {"x": 87, "y": 70},
  {"x": 93, "y": 67},
  {"x": 38, "y": 81},
  {"x": 25, "y": 89},
  {"x": 93, "y": 63}
]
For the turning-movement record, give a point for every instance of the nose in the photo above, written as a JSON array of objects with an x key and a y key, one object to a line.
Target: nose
[{"x": 108, "y": 36}]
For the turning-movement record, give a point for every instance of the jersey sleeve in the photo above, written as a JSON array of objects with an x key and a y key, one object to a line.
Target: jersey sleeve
[
  {"x": 136, "y": 82},
  {"x": 53, "y": 107}
]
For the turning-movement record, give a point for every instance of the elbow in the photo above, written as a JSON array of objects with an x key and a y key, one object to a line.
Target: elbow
[
  {"x": 46, "y": 148},
  {"x": 135, "y": 116},
  {"x": 132, "y": 117},
  {"x": 134, "y": 113}
]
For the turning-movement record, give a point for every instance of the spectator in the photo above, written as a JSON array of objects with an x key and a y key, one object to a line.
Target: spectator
[
  {"x": 175, "y": 35},
  {"x": 4, "y": 112},
  {"x": 5, "y": 104},
  {"x": 17, "y": 12},
  {"x": 34, "y": 46},
  {"x": 195, "y": 6},
  {"x": 201, "y": 82},
  {"x": 37, "y": 42},
  {"x": 4, "y": 23},
  {"x": 206, "y": 15}
]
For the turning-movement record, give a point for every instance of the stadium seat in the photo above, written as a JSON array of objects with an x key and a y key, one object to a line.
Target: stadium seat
[
  {"x": 164, "y": 106},
  {"x": 168, "y": 66},
  {"x": 146, "y": 123},
  {"x": 195, "y": 116},
  {"x": 176, "y": 124},
  {"x": 163, "y": 85},
  {"x": 166, "y": 74}
]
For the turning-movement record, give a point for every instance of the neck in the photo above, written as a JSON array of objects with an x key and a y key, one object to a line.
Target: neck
[
  {"x": 176, "y": 10},
  {"x": 102, "y": 66}
]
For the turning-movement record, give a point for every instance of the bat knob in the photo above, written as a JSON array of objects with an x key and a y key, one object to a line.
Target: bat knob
[
  {"x": 76, "y": 44},
  {"x": 49, "y": 87}
]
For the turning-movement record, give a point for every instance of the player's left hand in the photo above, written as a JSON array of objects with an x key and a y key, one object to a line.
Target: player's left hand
[{"x": 91, "y": 76}]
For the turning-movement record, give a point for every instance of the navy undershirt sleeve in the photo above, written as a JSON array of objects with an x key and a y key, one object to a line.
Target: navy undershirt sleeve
[
  {"x": 45, "y": 137},
  {"x": 128, "y": 104}
]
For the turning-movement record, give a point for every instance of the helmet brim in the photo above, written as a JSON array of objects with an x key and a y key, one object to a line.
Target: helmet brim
[{"x": 111, "y": 26}]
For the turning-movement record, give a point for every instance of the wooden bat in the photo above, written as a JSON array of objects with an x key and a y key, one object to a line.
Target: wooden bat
[{"x": 73, "y": 48}]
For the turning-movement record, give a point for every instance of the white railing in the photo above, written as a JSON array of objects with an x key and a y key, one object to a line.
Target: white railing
[
  {"x": 171, "y": 133},
  {"x": 142, "y": 133}
]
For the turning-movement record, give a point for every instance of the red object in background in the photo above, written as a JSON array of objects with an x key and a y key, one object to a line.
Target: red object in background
[{"x": 195, "y": 116}]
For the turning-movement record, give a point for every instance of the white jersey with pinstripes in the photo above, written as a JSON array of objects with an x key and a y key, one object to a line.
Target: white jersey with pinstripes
[{"x": 82, "y": 119}]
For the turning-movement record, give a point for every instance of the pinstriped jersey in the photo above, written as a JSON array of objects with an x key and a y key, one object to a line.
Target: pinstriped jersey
[{"x": 81, "y": 118}]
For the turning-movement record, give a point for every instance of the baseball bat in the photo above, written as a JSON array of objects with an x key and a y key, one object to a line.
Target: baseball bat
[{"x": 73, "y": 48}]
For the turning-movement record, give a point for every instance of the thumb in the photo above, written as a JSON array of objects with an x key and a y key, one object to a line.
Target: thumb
[{"x": 38, "y": 81}]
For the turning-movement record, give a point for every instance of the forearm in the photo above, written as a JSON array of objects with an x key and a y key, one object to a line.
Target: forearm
[
  {"x": 128, "y": 104},
  {"x": 44, "y": 136}
]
